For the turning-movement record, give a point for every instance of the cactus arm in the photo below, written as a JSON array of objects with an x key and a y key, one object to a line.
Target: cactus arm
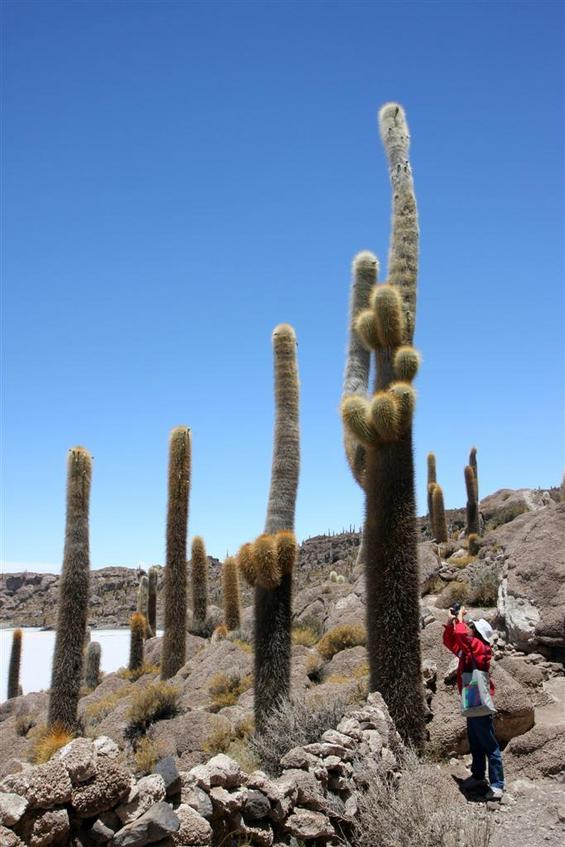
[
  {"x": 364, "y": 275},
  {"x": 286, "y": 443},
  {"x": 403, "y": 249}
]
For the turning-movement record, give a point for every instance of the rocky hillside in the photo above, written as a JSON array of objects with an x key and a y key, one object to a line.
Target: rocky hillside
[
  {"x": 30, "y": 599},
  {"x": 196, "y": 730}
]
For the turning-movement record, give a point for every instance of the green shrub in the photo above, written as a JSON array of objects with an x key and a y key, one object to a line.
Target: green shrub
[
  {"x": 341, "y": 638},
  {"x": 507, "y": 514},
  {"x": 484, "y": 582}
]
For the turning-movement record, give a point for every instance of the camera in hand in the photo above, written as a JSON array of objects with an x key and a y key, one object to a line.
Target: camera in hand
[{"x": 455, "y": 609}]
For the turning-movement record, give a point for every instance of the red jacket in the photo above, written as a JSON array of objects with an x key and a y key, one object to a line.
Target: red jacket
[{"x": 466, "y": 647}]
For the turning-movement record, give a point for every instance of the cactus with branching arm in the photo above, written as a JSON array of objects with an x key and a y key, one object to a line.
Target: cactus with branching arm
[{"x": 380, "y": 427}]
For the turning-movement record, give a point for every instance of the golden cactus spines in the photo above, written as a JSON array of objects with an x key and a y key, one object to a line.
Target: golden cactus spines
[
  {"x": 267, "y": 568},
  {"x": 406, "y": 400},
  {"x": 355, "y": 412},
  {"x": 406, "y": 363},
  {"x": 246, "y": 563},
  {"x": 440, "y": 521},
  {"x": 385, "y": 415},
  {"x": 387, "y": 306},
  {"x": 137, "y": 627},
  {"x": 287, "y": 551},
  {"x": 68, "y": 656},
  {"x": 367, "y": 329},
  {"x": 14, "y": 666},
  {"x": 230, "y": 587},
  {"x": 179, "y": 474},
  {"x": 474, "y": 465}
]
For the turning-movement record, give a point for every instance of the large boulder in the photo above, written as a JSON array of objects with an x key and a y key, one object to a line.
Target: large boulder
[
  {"x": 532, "y": 593},
  {"x": 504, "y": 505},
  {"x": 538, "y": 753},
  {"x": 429, "y": 565}
]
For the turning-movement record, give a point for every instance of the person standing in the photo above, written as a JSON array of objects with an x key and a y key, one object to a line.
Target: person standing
[{"x": 472, "y": 645}]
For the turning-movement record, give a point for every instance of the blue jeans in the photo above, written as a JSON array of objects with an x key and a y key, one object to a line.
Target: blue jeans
[{"x": 484, "y": 746}]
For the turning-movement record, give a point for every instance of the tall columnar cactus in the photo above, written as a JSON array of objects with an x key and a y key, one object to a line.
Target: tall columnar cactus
[
  {"x": 152, "y": 601},
  {"x": 274, "y": 560},
  {"x": 174, "y": 639},
  {"x": 432, "y": 479},
  {"x": 92, "y": 671},
  {"x": 199, "y": 585},
  {"x": 14, "y": 666},
  {"x": 439, "y": 528},
  {"x": 230, "y": 589},
  {"x": 143, "y": 603},
  {"x": 68, "y": 655},
  {"x": 473, "y": 521},
  {"x": 379, "y": 429},
  {"x": 137, "y": 626},
  {"x": 473, "y": 464}
]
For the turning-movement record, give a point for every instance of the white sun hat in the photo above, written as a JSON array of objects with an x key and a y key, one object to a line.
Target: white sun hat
[{"x": 484, "y": 629}]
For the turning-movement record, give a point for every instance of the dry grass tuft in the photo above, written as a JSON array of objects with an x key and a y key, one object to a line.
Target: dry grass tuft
[
  {"x": 423, "y": 807},
  {"x": 218, "y": 741},
  {"x": 225, "y": 690},
  {"x": 305, "y": 636},
  {"x": 341, "y": 638},
  {"x": 96, "y": 712},
  {"x": 153, "y": 703},
  {"x": 46, "y": 741},
  {"x": 147, "y": 754},
  {"x": 134, "y": 675}
]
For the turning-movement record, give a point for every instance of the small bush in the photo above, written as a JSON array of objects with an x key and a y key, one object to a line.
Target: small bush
[
  {"x": 154, "y": 703},
  {"x": 134, "y": 675},
  {"x": 241, "y": 750},
  {"x": 218, "y": 741},
  {"x": 461, "y": 561},
  {"x": 423, "y": 807},
  {"x": 304, "y": 636},
  {"x": 507, "y": 514},
  {"x": 454, "y": 592},
  {"x": 46, "y": 741},
  {"x": 484, "y": 579},
  {"x": 147, "y": 754},
  {"x": 225, "y": 690},
  {"x": 341, "y": 638},
  {"x": 295, "y": 723}
]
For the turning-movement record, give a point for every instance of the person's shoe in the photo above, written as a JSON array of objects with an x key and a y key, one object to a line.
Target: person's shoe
[
  {"x": 495, "y": 793},
  {"x": 473, "y": 784}
]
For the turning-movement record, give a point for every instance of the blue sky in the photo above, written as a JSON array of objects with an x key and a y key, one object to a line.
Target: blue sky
[{"x": 180, "y": 177}]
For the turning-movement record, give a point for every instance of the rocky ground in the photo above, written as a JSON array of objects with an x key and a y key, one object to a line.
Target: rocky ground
[{"x": 517, "y": 582}]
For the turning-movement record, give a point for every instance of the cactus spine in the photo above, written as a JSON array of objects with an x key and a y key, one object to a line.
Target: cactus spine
[
  {"x": 14, "y": 666},
  {"x": 473, "y": 523},
  {"x": 68, "y": 655},
  {"x": 92, "y": 672},
  {"x": 199, "y": 585},
  {"x": 152, "y": 601},
  {"x": 432, "y": 479},
  {"x": 384, "y": 461},
  {"x": 230, "y": 588},
  {"x": 438, "y": 512},
  {"x": 273, "y": 604},
  {"x": 174, "y": 639},
  {"x": 137, "y": 625}
]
